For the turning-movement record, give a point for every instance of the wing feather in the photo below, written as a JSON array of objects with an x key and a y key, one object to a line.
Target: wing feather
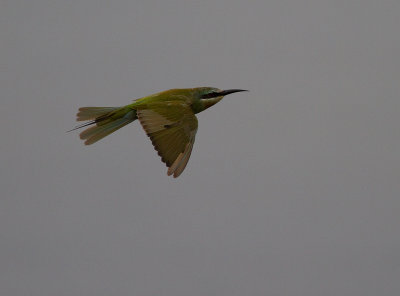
[{"x": 172, "y": 130}]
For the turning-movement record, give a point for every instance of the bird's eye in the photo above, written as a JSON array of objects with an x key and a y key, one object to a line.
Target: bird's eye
[{"x": 210, "y": 95}]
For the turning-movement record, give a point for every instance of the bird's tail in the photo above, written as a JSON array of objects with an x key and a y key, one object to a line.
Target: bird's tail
[{"x": 105, "y": 120}]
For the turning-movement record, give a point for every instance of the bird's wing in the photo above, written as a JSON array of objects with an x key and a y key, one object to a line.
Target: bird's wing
[{"x": 172, "y": 129}]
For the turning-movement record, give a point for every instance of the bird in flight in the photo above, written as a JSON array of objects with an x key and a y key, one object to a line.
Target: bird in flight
[{"x": 167, "y": 117}]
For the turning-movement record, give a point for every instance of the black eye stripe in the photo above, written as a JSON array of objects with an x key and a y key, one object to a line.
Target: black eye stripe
[{"x": 210, "y": 95}]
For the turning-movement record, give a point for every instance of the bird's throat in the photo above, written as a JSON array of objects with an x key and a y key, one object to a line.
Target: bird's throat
[{"x": 207, "y": 103}]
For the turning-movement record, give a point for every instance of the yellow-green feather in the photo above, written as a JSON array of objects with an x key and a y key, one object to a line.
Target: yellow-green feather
[
  {"x": 172, "y": 129},
  {"x": 106, "y": 120}
]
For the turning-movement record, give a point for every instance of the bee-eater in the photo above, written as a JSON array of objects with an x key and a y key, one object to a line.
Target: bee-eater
[{"x": 167, "y": 117}]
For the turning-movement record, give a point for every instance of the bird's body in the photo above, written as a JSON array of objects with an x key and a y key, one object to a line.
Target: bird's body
[{"x": 167, "y": 117}]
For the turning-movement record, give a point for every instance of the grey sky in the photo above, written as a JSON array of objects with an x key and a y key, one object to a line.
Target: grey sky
[{"x": 292, "y": 188}]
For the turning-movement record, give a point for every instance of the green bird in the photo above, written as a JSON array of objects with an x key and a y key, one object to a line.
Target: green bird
[{"x": 167, "y": 117}]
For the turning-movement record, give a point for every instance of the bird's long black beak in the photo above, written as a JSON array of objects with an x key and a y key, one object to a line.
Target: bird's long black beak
[{"x": 230, "y": 91}]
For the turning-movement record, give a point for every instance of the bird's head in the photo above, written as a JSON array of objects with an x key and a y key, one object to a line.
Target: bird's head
[{"x": 209, "y": 96}]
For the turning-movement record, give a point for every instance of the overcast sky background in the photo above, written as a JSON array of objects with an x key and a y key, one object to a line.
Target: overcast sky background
[{"x": 292, "y": 189}]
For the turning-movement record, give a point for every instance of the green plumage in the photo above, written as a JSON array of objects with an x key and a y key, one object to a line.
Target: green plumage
[{"x": 168, "y": 118}]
